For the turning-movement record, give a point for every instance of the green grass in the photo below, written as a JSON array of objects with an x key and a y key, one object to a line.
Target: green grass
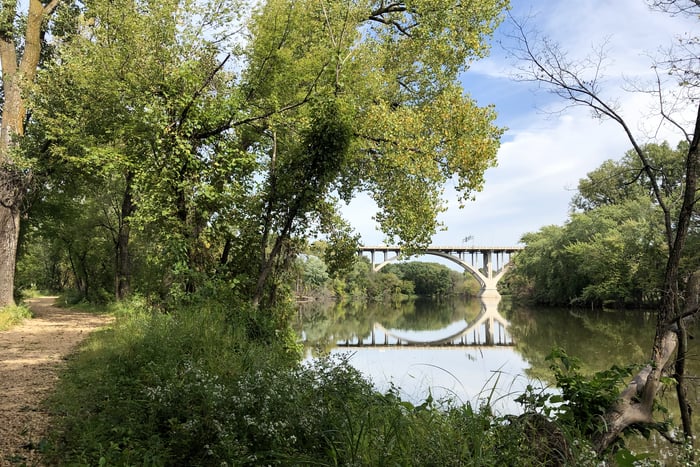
[
  {"x": 192, "y": 388},
  {"x": 13, "y": 315}
]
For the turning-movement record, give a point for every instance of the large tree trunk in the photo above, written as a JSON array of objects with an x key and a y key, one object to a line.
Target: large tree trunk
[
  {"x": 123, "y": 256},
  {"x": 636, "y": 403},
  {"x": 15, "y": 74},
  {"x": 9, "y": 235}
]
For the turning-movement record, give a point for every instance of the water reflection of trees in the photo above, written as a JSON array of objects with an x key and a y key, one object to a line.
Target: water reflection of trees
[
  {"x": 599, "y": 339},
  {"x": 427, "y": 314}
]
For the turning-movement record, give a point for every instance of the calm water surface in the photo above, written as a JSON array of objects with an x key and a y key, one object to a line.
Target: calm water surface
[{"x": 488, "y": 351}]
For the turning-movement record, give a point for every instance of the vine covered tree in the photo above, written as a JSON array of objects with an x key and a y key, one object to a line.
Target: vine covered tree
[{"x": 362, "y": 96}]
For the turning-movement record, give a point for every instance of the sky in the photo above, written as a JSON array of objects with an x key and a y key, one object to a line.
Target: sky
[{"x": 546, "y": 148}]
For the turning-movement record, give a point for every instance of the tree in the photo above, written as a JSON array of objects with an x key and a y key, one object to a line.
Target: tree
[
  {"x": 314, "y": 272},
  {"x": 233, "y": 155},
  {"x": 21, "y": 41},
  {"x": 620, "y": 255},
  {"x": 546, "y": 63},
  {"x": 611, "y": 248},
  {"x": 357, "y": 96},
  {"x": 146, "y": 95},
  {"x": 429, "y": 279},
  {"x": 615, "y": 182}
]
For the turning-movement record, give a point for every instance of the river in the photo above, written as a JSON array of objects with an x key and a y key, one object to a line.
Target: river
[{"x": 476, "y": 368}]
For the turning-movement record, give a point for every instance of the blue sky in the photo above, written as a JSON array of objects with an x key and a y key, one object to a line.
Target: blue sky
[{"x": 544, "y": 154}]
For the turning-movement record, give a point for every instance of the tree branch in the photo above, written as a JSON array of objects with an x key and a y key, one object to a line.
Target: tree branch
[
  {"x": 550, "y": 67},
  {"x": 50, "y": 7},
  {"x": 397, "y": 7},
  {"x": 207, "y": 81}
]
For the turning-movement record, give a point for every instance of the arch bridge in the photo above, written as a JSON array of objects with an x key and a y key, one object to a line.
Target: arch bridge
[{"x": 487, "y": 264}]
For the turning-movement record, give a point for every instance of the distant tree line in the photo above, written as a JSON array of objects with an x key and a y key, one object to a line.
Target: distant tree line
[{"x": 312, "y": 279}]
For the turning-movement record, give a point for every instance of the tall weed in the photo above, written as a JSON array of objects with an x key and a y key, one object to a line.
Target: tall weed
[{"x": 13, "y": 315}]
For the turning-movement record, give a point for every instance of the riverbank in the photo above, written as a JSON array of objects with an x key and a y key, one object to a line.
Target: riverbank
[{"x": 192, "y": 388}]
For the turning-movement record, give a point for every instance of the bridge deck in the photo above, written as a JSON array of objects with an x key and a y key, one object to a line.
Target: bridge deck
[{"x": 456, "y": 249}]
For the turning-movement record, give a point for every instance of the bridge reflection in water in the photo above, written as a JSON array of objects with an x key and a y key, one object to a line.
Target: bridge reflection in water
[{"x": 489, "y": 328}]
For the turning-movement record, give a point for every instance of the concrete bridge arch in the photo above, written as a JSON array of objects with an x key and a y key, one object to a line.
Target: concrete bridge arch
[{"x": 488, "y": 265}]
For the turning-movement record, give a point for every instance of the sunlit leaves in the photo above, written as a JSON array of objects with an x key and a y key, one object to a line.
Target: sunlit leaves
[
  {"x": 424, "y": 43},
  {"x": 615, "y": 181},
  {"x": 612, "y": 254},
  {"x": 143, "y": 92},
  {"x": 391, "y": 71}
]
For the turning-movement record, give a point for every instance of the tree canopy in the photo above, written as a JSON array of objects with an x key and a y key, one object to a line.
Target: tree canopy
[
  {"x": 226, "y": 139},
  {"x": 612, "y": 249}
]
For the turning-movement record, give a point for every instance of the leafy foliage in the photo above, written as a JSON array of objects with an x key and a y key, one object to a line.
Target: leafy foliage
[
  {"x": 612, "y": 251},
  {"x": 13, "y": 315},
  {"x": 580, "y": 406},
  {"x": 236, "y": 131},
  {"x": 188, "y": 388},
  {"x": 429, "y": 279},
  {"x": 68, "y": 243},
  {"x": 585, "y": 400}
]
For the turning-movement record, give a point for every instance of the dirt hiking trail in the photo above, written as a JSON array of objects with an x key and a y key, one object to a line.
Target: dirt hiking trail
[{"x": 31, "y": 356}]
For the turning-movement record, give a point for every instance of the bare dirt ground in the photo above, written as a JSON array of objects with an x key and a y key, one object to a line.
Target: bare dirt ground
[{"x": 31, "y": 355}]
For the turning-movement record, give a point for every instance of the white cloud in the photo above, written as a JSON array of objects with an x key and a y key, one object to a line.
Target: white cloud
[{"x": 533, "y": 184}]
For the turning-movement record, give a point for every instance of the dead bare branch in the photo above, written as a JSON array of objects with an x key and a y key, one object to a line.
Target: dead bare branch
[
  {"x": 549, "y": 66},
  {"x": 676, "y": 7}
]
